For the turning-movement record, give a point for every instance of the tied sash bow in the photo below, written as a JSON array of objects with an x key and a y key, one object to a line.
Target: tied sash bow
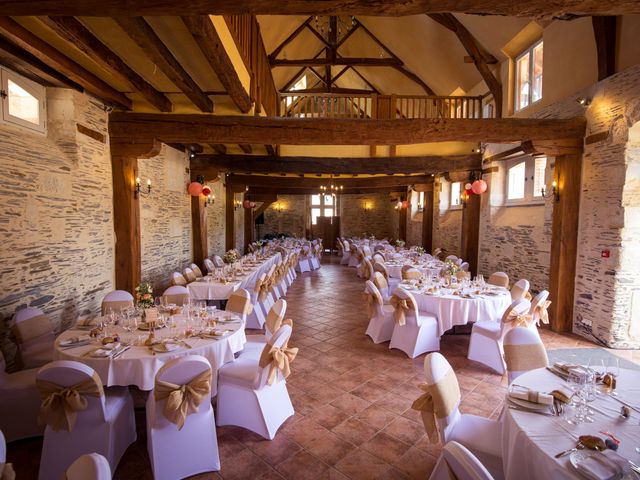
[
  {"x": 400, "y": 306},
  {"x": 265, "y": 288},
  {"x": 370, "y": 304},
  {"x": 542, "y": 313},
  {"x": 60, "y": 404},
  {"x": 519, "y": 319},
  {"x": 437, "y": 402},
  {"x": 183, "y": 400},
  {"x": 280, "y": 358}
]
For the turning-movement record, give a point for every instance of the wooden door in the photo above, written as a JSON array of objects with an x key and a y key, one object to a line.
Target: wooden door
[{"x": 327, "y": 228}]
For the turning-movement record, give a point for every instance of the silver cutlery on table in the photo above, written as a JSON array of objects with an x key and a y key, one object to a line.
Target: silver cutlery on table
[
  {"x": 635, "y": 409},
  {"x": 579, "y": 446},
  {"x": 537, "y": 412},
  {"x": 121, "y": 351}
]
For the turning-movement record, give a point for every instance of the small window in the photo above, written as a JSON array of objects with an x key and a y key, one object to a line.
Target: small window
[
  {"x": 539, "y": 169},
  {"x": 315, "y": 199},
  {"x": 315, "y": 213},
  {"x": 420, "y": 201},
  {"x": 516, "y": 175},
  {"x": 328, "y": 199},
  {"x": 455, "y": 194},
  {"x": 328, "y": 212},
  {"x": 529, "y": 76},
  {"x": 23, "y": 102}
]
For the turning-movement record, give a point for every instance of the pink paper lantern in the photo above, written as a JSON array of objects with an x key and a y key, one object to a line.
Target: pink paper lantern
[
  {"x": 467, "y": 186},
  {"x": 206, "y": 190},
  {"x": 479, "y": 187},
  {"x": 253, "y": 205},
  {"x": 194, "y": 189}
]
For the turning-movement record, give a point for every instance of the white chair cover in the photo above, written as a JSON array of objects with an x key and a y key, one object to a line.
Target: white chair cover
[
  {"x": 381, "y": 322},
  {"x": 419, "y": 334},
  {"x": 245, "y": 397},
  {"x": 177, "y": 295},
  {"x": 18, "y": 395},
  {"x": 256, "y": 318},
  {"x": 464, "y": 266},
  {"x": 91, "y": 466},
  {"x": 192, "y": 449},
  {"x": 520, "y": 289},
  {"x": 499, "y": 279},
  {"x": 217, "y": 261},
  {"x": 273, "y": 321},
  {"x": 178, "y": 279},
  {"x": 196, "y": 270},
  {"x": 523, "y": 351},
  {"x": 116, "y": 300},
  {"x": 457, "y": 462},
  {"x": 453, "y": 258},
  {"x": 107, "y": 426},
  {"x": 34, "y": 335},
  {"x": 209, "y": 265},
  {"x": 239, "y": 303},
  {"x": 539, "y": 306},
  {"x": 189, "y": 275}
]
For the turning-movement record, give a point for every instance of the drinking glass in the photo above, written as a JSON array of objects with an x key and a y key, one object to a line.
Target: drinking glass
[{"x": 576, "y": 383}]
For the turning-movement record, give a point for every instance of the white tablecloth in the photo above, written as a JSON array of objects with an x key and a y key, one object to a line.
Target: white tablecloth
[
  {"x": 210, "y": 290},
  {"x": 530, "y": 441},
  {"x": 431, "y": 269},
  {"x": 453, "y": 310},
  {"x": 138, "y": 365}
]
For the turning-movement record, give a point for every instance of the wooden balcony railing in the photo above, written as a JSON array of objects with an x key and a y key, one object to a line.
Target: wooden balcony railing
[
  {"x": 246, "y": 34},
  {"x": 378, "y": 106}
]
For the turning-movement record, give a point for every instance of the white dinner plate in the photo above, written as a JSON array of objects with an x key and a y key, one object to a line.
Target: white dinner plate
[
  {"x": 581, "y": 455},
  {"x": 165, "y": 347},
  {"x": 528, "y": 405}
]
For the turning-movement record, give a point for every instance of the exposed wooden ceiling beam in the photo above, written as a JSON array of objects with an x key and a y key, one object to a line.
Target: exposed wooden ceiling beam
[
  {"x": 207, "y": 38},
  {"x": 349, "y": 91},
  {"x": 317, "y": 35},
  {"x": 310, "y": 182},
  {"x": 44, "y": 52},
  {"x": 76, "y": 33},
  {"x": 32, "y": 67},
  {"x": 288, "y": 40},
  {"x": 246, "y": 148},
  {"x": 476, "y": 51},
  {"x": 337, "y": 165},
  {"x": 365, "y": 80},
  {"x": 358, "y": 62},
  {"x": 312, "y": 191},
  {"x": 270, "y": 150},
  {"x": 605, "y": 33},
  {"x": 142, "y": 33},
  {"x": 219, "y": 148},
  {"x": 532, "y": 8},
  {"x": 191, "y": 128}
]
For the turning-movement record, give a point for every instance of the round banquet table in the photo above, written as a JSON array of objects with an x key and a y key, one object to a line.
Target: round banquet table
[
  {"x": 138, "y": 365},
  {"x": 530, "y": 440},
  {"x": 431, "y": 269},
  {"x": 451, "y": 310}
]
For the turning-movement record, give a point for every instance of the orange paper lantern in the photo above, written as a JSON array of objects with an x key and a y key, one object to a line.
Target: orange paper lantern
[
  {"x": 479, "y": 187},
  {"x": 194, "y": 189}
]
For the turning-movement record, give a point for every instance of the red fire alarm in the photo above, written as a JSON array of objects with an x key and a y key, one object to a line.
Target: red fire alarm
[{"x": 605, "y": 254}]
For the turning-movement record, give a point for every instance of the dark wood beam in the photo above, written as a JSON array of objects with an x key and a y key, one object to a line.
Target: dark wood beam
[
  {"x": 76, "y": 33},
  {"x": 347, "y": 35},
  {"x": 365, "y": 80},
  {"x": 337, "y": 165},
  {"x": 517, "y": 150},
  {"x": 605, "y": 33},
  {"x": 219, "y": 148},
  {"x": 348, "y": 91},
  {"x": 195, "y": 128},
  {"x": 44, "y": 52},
  {"x": 317, "y": 35},
  {"x": 310, "y": 182},
  {"x": 427, "y": 218},
  {"x": 470, "y": 237},
  {"x": 294, "y": 78},
  {"x": 32, "y": 67},
  {"x": 312, "y": 191},
  {"x": 142, "y": 33},
  {"x": 249, "y": 227},
  {"x": 207, "y": 38},
  {"x": 270, "y": 150},
  {"x": 289, "y": 39},
  {"x": 229, "y": 214},
  {"x": 476, "y": 51},
  {"x": 353, "y": 61},
  {"x": 199, "y": 231},
  {"x": 534, "y": 8},
  {"x": 246, "y": 148}
]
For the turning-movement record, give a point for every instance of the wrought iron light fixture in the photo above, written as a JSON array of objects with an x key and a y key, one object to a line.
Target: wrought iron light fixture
[
  {"x": 138, "y": 191},
  {"x": 554, "y": 193}
]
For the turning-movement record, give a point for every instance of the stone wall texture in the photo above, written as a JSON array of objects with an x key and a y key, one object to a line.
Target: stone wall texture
[
  {"x": 447, "y": 222},
  {"x": 380, "y": 220},
  {"x": 56, "y": 222},
  {"x": 289, "y": 220},
  {"x": 165, "y": 217},
  {"x": 216, "y": 220}
]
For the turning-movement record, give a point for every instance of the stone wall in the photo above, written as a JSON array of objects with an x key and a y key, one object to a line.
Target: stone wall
[
  {"x": 381, "y": 219},
  {"x": 216, "y": 220},
  {"x": 287, "y": 216},
  {"x": 447, "y": 222},
  {"x": 56, "y": 222},
  {"x": 238, "y": 217},
  {"x": 165, "y": 217}
]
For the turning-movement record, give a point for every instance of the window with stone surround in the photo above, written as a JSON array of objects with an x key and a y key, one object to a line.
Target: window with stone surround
[
  {"x": 525, "y": 178},
  {"x": 322, "y": 206},
  {"x": 23, "y": 102},
  {"x": 455, "y": 201},
  {"x": 528, "y": 87}
]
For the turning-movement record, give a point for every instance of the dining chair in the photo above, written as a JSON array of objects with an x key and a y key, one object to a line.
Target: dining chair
[
  {"x": 34, "y": 335},
  {"x": 273, "y": 321},
  {"x": 378, "y": 257},
  {"x": 239, "y": 302},
  {"x": 410, "y": 273},
  {"x": 316, "y": 253},
  {"x": 414, "y": 332},
  {"x": 20, "y": 398},
  {"x": 523, "y": 351},
  {"x": 486, "y": 342},
  {"x": 346, "y": 253},
  {"x": 209, "y": 265},
  {"x": 217, "y": 261},
  {"x": 383, "y": 287},
  {"x": 259, "y": 294},
  {"x": 453, "y": 258},
  {"x": 6, "y": 469},
  {"x": 354, "y": 261},
  {"x": 393, "y": 282},
  {"x": 182, "y": 441},
  {"x": 91, "y": 466},
  {"x": 304, "y": 264},
  {"x": 176, "y": 295},
  {"x": 367, "y": 269},
  {"x": 253, "y": 394},
  {"x": 539, "y": 305},
  {"x": 178, "y": 279},
  {"x": 189, "y": 275},
  {"x": 116, "y": 301},
  {"x": 520, "y": 289},
  {"x": 457, "y": 462},
  {"x": 106, "y": 426},
  {"x": 464, "y": 266},
  {"x": 273, "y": 294},
  {"x": 196, "y": 270},
  {"x": 480, "y": 435},
  {"x": 381, "y": 322},
  {"x": 499, "y": 279},
  {"x": 280, "y": 283}
]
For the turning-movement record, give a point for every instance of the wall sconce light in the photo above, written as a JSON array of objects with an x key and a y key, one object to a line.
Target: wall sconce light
[
  {"x": 366, "y": 208},
  {"x": 278, "y": 207},
  {"x": 210, "y": 200},
  {"x": 142, "y": 192},
  {"x": 464, "y": 197},
  {"x": 584, "y": 101},
  {"x": 555, "y": 193}
]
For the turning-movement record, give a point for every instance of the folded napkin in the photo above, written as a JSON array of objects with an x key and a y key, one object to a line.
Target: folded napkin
[
  {"x": 168, "y": 346},
  {"x": 74, "y": 341},
  {"x": 570, "y": 369},
  {"x": 533, "y": 396},
  {"x": 562, "y": 394},
  {"x": 604, "y": 466},
  {"x": 106, "y": 350},
  {"x": 90, "y": 322}
]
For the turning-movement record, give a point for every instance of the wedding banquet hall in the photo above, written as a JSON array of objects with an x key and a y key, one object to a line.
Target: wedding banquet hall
[{"x": 319, "y": 239}]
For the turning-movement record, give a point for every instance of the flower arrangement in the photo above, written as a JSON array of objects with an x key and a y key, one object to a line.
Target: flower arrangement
[
  {"x": 400, "y": 243},
  {"x": 144, "y": 295},
  {"x": 450, "y": 267},
  {"x": 419, "y": 250},
  {"x": 231, "y": 256}
]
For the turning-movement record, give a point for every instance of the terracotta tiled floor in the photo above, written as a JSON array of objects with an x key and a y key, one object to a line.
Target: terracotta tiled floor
[{"x": 352, "y": 398}]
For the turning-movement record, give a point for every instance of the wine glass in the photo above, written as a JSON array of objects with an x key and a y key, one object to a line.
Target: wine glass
[{"x": 576, "y": 383}]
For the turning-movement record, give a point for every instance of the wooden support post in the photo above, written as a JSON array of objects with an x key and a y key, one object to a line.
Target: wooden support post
[
  {"x": 199, "y": 229},
  {"x": 249, "y": 228},
  {"x": 564, "y": 242},
  {"x": 402, "y": 222},
  {"x": 229, "y": 206},
  {"x": 471, "y": 232},
  {"x": 126, "y": 209},
  {"x": 427, "y": 219}
]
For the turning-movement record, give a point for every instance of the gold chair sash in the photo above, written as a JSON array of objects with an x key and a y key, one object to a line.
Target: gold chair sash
[
  {"x": 178, "y": 299},
  {"x": 541, "y": 312},
  {"x": 183, "y": 400},
  {"x": 279, "y": 358},
  {"x": 265, "y": 288},
  {"x": 519, "y": 319},
  {"x": 366, "y": 271},
  {"x": 400, "y": 306},
  {"x": 437, "y": 402},
  {"x": 31, "y": 328},
  {"x": 239, "y": 304},
  {"x": 370, "y": 304},
  {"x": 7, "y": 472},
  {"x": 60, "y": 405},
  {"x": 520, "y": 358}
]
